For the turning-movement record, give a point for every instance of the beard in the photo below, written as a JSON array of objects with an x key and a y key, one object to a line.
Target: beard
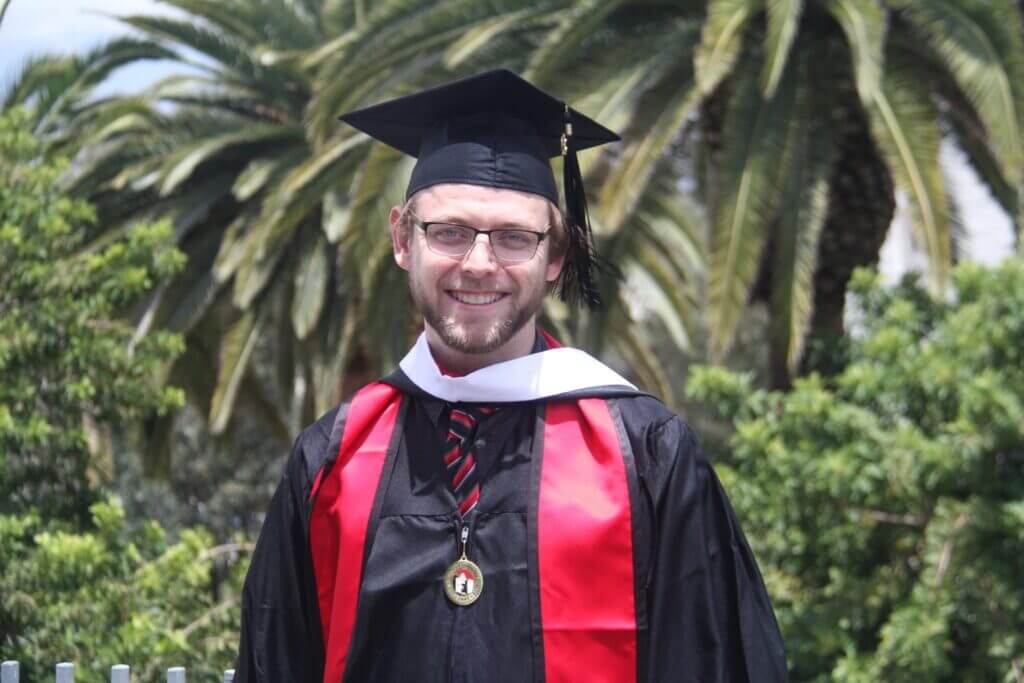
[{"x": 485, "y": 339}]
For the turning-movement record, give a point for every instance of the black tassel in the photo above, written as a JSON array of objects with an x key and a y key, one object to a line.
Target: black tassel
[{"x": 578, "y": 282}]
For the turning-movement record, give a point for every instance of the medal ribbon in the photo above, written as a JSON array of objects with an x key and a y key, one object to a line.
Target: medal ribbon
[{"x": 459, "y": 460}]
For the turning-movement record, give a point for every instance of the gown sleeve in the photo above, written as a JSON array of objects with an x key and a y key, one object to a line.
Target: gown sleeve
[
  {"x": 710, "y": 616},
  {"x": 280, "y": 632}
]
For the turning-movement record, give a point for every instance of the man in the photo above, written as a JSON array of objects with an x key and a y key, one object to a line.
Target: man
[{"x": 499, "y": 508}]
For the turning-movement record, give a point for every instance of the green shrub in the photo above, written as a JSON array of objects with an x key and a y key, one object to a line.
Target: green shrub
[{"x": 886, "y": 504}]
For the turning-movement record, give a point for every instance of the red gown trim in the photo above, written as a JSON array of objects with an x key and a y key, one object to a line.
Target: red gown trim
[
  {"x": 584, "y": 536},
  {"x": 340, "y": 515},
  {"x": 585, "y": 548}
]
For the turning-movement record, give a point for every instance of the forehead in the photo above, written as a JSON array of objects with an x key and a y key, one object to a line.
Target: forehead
[{"x": 481, "y": 205}]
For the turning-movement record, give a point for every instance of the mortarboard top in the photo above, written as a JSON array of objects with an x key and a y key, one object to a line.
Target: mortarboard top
[{"x": 497, "y": 130}]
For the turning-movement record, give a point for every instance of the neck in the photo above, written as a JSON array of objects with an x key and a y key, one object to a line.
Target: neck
[{"x": 463, "y": 363}]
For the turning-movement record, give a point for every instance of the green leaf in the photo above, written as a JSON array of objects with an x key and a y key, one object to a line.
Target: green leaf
[
  {"x": 811, "y": 151},
  {"x": 337, "y": 215},
  {"x": 182, "y": 164},
  {"x": 484, "y": 33},
  {"x": 311, "y": 278},
  {"x": 575, "y": 25},
  {"x": 783, "y": 20},
  {"x": 756, "y": 132},
  {"x": 294, "y": 199},
  {"x": 235, "y": 351},
  {"x": 628, "y": 179},
  {"x": 640, "y": 357},
  {"x": 904, "y": 120},
  {"x": 975, "y": 63},
  {"x": 863, "y": 22},
  {"x": 722, "y": 40}
]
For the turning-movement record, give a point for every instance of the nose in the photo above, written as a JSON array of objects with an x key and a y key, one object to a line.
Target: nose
[{"x": 480, "y": 261}]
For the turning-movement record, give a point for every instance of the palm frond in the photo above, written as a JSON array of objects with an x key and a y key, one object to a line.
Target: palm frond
[
  {"x": 629, "y": 177},
  {"x": 292, "y": 200},
  {"x": 180, "y": 166},
  {"x": 475, "y": 38},
  {"x": 863, "y": 22},
  {"x": 756, "y": 131},
  {"x": 224, "y": 53},
  {"x": 377, "y": 187},
  {"x": 783, "y": 20},
  {"x": 811, "y": 153},
  {"x": 969, "y": 134},
  {"x": 38, "y": 75},
  {"x": 575, "y": 25},
  {"x": 235, "y": 351},
  {"x": 633, "y": 345},
  {"x": 311, "y": 277},
  {"x": 973, "y": 60},
  {"x": 722, "y": 40},
  {"x": 904, "y": 121}
]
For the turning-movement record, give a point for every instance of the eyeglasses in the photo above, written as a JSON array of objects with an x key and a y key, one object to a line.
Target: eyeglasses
[{"x": 455, "y": 241}]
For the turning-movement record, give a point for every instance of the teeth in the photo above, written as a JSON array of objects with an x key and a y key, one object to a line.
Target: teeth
[{"x": 475, "y": 298}]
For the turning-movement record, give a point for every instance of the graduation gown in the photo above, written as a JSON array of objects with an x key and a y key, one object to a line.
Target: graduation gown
[{"x": 609, "y": 549}]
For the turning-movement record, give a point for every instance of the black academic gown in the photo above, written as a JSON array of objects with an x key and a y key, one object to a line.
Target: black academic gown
[{"x": 702, "y": 610}]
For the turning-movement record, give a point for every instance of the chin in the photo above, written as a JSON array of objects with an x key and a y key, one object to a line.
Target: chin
[{"x": 476, "y": 341}]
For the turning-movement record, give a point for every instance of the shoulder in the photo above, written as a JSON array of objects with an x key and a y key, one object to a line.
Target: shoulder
[
  {"x": 661, "y": 440},
  {"x": 317, "y": 446},
  {"x": 311, "y": 451}
]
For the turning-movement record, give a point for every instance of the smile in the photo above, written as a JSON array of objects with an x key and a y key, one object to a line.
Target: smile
[{"x": 476, "y": 298}]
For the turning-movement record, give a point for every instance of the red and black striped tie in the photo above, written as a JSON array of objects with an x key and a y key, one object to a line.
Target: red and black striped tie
[{"x": 459, "y": 460}]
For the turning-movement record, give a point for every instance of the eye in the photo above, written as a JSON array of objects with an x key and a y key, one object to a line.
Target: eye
[
  {"x": 515, "y": 239},
  {"x": 449, "y": 234}
]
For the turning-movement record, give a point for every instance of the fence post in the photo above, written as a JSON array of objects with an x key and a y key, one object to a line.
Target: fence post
[
  {"x": 120, "y": 673},
  {"x": 9, "y": 672},
  {"x": 229, "y": 676},
  {"x": 176, "y": 674},
  {"x": 65, "y": 672}
]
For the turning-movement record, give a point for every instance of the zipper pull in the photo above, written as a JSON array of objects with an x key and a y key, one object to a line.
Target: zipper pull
[{"x": 465, "y": 537}]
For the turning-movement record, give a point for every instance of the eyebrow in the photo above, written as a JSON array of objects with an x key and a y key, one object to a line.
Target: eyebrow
[{"x": 459, "y": 220}]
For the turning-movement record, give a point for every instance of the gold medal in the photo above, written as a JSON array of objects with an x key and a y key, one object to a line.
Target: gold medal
[{"x": 463, "y": 582}]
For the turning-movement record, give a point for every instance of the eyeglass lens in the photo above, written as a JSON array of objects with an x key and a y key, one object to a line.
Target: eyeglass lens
[{"x": 456, "y": 240}]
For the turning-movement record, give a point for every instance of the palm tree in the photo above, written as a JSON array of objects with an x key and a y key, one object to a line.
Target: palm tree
[
  {"x": 54, "y": 89},
  {"x": 800, "y": 120},
  {"x": 280, "y": 208}
]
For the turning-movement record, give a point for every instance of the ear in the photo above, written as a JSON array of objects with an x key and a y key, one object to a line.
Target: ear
[
  {"x": 555, "y": 264},
  {"x": 400, "y": 238}
]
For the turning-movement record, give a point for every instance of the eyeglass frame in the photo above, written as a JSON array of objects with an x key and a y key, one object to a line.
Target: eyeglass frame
[{"x": 541, "y": 236}]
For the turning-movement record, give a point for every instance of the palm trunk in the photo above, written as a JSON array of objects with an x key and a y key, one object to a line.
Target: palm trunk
[{"x": 861, "y": 210}]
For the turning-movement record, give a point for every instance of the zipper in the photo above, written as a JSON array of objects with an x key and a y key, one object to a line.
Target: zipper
[{"x": 463, "y": 531}]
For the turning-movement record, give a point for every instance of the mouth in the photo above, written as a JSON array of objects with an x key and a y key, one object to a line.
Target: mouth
[{"x": 476, "y": 298}]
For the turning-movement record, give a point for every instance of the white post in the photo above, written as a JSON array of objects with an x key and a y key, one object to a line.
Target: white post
[
  {"x": 120, "y": 673},
  {"x": 9, "y": 672},
  {"x": 229, "y": 676},
  {"x": 176, "y": 674},
  {"x": 65, "y": 672}
]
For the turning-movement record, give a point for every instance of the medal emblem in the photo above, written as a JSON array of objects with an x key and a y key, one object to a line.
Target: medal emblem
[{"x": 463, "y": 582}]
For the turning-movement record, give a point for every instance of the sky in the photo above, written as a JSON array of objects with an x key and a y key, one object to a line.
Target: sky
[
  {"x": 40, "y": 26},
  {"x": 34, "y": 27}
]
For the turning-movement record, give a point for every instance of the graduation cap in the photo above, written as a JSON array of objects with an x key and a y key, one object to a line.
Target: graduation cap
[{"x": 497, "y": 130}]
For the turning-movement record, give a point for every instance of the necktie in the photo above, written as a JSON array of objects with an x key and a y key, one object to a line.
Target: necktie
[{"x": 459, "y": 461}]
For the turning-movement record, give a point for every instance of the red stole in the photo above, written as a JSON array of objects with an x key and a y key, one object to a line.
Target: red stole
[{"x": 584, "y": 536}]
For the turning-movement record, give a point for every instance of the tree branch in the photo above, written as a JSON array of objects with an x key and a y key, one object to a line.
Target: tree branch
[
  {"x": 208, "y": 615},
  {"x": 225, "y": 549},
  {"x": 917, "y": 521},
  {"x": 947, "y": 550}
]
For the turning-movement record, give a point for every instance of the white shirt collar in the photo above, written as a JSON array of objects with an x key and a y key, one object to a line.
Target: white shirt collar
[{"x": 528, "y": 378}]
